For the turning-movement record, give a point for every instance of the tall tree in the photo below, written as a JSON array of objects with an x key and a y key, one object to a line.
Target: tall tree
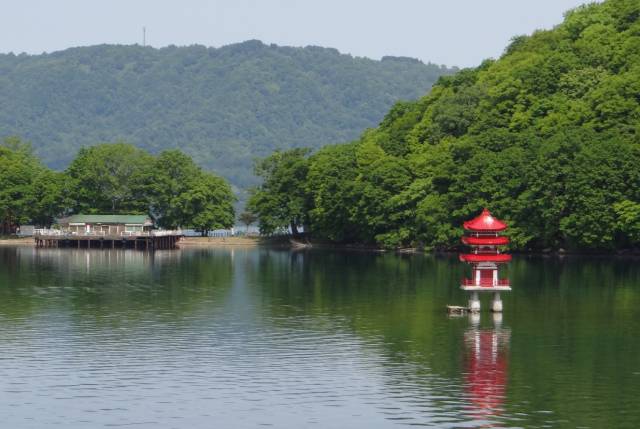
[
  {"x": 174, "y": 173},
  {"x": 50, "y": 197},
  {"x": 247, "y": 218},
  {"x": 111, "y": 178},
  {"x": 18, "y": 167},
  {"x": 207, "y": 204},
  {"x": 184, "y": 195},
  {"x": 282, "y": 200}
]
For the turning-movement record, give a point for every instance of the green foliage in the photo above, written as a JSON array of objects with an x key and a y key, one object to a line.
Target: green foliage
[
  {"x": 18, "y": 171},
  {"x": 247, "y": 218},
  {"x": 221, "y": 106},
  {"x": 111, "y": 178},
  {"x": 207, "y": 204},
  {"x": 628, "y": 219},
  {"x": 546, "y": 137},
  {"x": 174, "y": 174},
  {"x": 330, "y": 185},
  {"x": 281, "y": 201},
  {"x": 50, "y": 196}
]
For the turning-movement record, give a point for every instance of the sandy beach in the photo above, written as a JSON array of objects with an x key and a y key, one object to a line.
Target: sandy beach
[
  {"x": 24, "y": 241},
  {"x": 219, "y": 241}
]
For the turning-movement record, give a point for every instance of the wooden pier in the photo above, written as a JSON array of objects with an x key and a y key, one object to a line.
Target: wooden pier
[{"x": 151, "y": 240}]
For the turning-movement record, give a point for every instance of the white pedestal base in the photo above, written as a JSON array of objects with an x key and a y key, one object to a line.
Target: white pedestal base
[
  {"x": 496, "y": 304},
  {"x": 474, "y": 303}
]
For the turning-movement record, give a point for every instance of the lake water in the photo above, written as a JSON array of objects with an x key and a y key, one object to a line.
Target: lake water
[{"x": 247, "y": 338}]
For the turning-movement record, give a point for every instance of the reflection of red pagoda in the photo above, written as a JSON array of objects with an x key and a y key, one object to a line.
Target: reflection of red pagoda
[
  {"x": 483, "y": 235},
  {"x": 486, "y": 366}
]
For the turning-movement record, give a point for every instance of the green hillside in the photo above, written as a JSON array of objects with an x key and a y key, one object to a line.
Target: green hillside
[
  {"x": 547, "y": 137},
  {"x": 222, "y": 106}
]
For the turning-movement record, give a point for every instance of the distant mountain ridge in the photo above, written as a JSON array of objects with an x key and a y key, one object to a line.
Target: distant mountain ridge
[{"x": 223, "y": 106}]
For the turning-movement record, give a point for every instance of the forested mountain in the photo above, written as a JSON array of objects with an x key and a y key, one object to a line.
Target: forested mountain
[
  {"x": 222, "y": 106},
  {"x": 547, "y": 137}
]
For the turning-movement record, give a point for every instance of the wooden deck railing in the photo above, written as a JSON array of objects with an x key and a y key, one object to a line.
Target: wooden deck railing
[{"x": 62, "y": 233}]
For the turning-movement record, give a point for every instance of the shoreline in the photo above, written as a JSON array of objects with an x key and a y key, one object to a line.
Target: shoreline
[
  {"x": 192, "y": 242},
  {"x": 22, "y": 241},
  {"x": 219, "y": 241}
]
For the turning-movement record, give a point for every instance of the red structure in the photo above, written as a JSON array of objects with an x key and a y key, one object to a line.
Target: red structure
[{"x": 483, "y": 236}]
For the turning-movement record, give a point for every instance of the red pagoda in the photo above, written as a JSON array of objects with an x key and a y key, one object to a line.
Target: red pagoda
[{"x": 483, "y": 236}]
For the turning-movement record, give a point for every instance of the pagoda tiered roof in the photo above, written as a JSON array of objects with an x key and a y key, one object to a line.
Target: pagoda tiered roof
[
  {"x": 485, "y": 222},
  {"x": 475, "y": 258}
]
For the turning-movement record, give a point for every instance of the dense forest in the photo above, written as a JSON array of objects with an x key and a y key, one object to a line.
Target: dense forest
[
  {"x": 112, "y": 179},
  {"x": 223, "y": 106},
  {"x": 547, "y": 137}
]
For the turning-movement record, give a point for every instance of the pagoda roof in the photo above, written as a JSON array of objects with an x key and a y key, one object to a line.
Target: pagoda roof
[
  {"x": 485, "y": 222},
  {"x": 474, "y": 258},
  {"x": 486, "y": 241}
]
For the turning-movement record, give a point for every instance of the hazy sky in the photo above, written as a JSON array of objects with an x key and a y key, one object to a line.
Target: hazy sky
[{"x": 452, "y": 32}]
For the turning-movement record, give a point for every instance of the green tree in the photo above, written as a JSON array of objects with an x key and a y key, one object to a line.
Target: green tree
[
  {"x": 628, "y": 219},
  {"x": 50, "y": 197},
  {"x": 330, "y": 185},
  {"x": 111, "y": 178},
  {"x": 247, "y": 218},
  {"x": 18, "y": 169},
  {"x": 183, "y": 195},
  {"x": 281, "y": 201},
  {"x": 207, "y": 204},
  {"x": 174, "y": 173}
]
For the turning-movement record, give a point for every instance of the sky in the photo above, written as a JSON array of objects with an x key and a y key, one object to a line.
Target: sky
[{"x": 450, "y": 32}]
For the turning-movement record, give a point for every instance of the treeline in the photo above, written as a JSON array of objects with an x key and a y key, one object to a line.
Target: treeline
[
  {"x": 547, "y": 137},
  {"x": 112, "y": 179},
  {"x": 222, "y": 106}
]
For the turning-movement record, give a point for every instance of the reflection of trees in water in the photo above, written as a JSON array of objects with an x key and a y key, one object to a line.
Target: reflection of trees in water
[
  {"x": 573, "y": 321},
  {"x": 398, "y": 297},
  {"x": 573, "y": 325},
  {"x": 98, "y": 283},
  {"x": 394, "y": 306}
]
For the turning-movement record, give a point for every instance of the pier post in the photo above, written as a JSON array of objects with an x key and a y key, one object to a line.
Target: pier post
[
  {"x": 474, "y": 302},
  {"x": 496, "y": 304}
]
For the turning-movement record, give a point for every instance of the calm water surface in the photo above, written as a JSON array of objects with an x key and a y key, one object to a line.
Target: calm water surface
[{"x": 245, "y": 338}]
